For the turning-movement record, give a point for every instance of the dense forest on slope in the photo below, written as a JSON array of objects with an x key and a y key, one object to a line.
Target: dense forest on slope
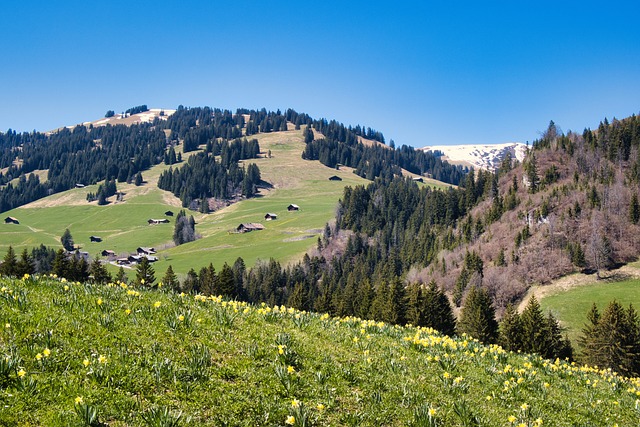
[
  {"x": 90, "y": 154},
  {"x": 342, "y": 146}
]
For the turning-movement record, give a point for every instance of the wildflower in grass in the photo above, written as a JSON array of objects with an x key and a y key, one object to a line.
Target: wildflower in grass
[
  {"x": 7, "y": 325},
  {"x": 86, "y": 362},
  {"x": 281, "y": 349},
  {"x": 432, "y": 412},
  {"x": 26, "y": 276},
  {"x": 524, "y": 406},
  {"x": 320, "y": 407},
  {"x": 142, "y": 281},
  {"x": 38, "y": 356},
  {"x": 127, "y": 312},
  {"x": 66, "y": 288},
  {"x": 157, "y": 304},
  {"x": 78, "y": 400},
  {"x": 46, "y": 352},
  {"x": 537, "y": 422},
  {"x": 99, "y": 302},
  {"x": 446, "y": 375},
  {"x": 22, "y": 373},
  {"x": 291, "y": 420},
  {"x": 511, "y": 418},
  {"x": 63, "y": 280},
  {"x": 102, "y": 359},
  {"x": 181, "y": 318},
  {"x": 291, "y": 369},
  {"x": 295, "y": 403}
]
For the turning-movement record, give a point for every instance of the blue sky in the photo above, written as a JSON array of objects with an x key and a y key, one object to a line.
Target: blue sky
[{"x": 423, "y": 73}]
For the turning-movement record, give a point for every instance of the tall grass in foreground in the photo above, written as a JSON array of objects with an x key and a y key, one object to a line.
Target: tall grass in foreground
[{"x": 80, "y": 354}]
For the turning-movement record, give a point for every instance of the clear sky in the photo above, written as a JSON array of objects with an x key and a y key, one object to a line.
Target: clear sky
[{"x": 423, "y": 73}]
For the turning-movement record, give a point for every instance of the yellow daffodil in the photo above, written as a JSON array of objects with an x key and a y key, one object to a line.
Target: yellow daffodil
[
  {"x": 290, "y": 369},
  {"x": 86, "y": 362},
  {"x": 38, "y": 356},
  {"x": 22, "y": 373},
  {"x": 157, "y": 304},
  {"x": 102, "y": 359},
  {"x": 46, "y": 352},
  {"x": 295, "y": 403},
  {"x": 291, "y": 420},
  {"x": 99, "y": 302},
  {"x": 432, "y": 412},
  {"x": 524, "y": 406},
  {"x": 78, "y": 400},
  {"x": 320, "y": 407},
  {"x": 511, "y": 418}
]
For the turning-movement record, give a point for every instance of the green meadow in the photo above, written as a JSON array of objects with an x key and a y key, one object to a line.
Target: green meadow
[
  {"x": 123, "y": 225},
  {"x": 76, "y": 354},
  {"x": 571, "y": 306}
]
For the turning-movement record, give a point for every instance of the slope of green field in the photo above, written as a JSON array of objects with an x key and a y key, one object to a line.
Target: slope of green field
[
  {"x": 77, "y": 354},
  {"x": 123, "y": 226},
  {"x": 571, "y": 306}
]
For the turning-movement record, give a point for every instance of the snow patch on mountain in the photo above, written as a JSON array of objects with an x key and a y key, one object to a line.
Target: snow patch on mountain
[{"x": 486, "y": 156}]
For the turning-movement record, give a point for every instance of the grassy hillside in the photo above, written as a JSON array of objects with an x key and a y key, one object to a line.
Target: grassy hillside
[
  {"x": 572, "y": 305},
  {"x": 138, "y": 357},
  {"x": 123, "y": 226}
]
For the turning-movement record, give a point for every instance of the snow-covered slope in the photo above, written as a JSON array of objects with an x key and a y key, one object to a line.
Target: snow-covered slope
[{"x": 480, "y": 156}]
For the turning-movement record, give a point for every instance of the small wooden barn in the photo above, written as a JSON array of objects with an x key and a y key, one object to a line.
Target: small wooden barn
[
  {"x": 249, "y": 226},
  {"x": 335, "y": 178},
  {"x": 293, "y": 207},
  {"x": 146, "y": 251},
  {"x": 168, "y": 213},
  {"x": 95, "y": 239},
  {"x": 158, "y": 221},
  {"x": 11, "y": 220},
  {"x": 270, "y": 216},
  {"x": 108, "y": 253}
]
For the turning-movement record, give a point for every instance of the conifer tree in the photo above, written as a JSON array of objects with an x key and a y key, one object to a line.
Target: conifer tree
[
  {"x": 99, "y": 272},
  {"x": 511, "y": 329},
  {"x": 634, "y": 209},
  {"x": 9, "y": 263},
  {"x": 67, "y": 241},
  {"x": 226, "y": 285},
  {"x": 478, "y": 317},
  {"x": 121, "y": 276},
  {"x": 60, "y": 264},
  {"x": 612, "y": 339},
  {"x": 145, "y": 273},
  {"x": 395, "y": 306},
  {"x": 170, "y": 279},
  {"x": 534, "y": 334}
]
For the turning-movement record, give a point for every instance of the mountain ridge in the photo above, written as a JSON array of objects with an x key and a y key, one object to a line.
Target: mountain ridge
[{"x": 480, "y": 156}]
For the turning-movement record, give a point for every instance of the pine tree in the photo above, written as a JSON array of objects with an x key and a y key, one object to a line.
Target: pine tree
[
  {"x": 511, "y": 329},
  {"x": 612, "y": 339},
  {"x": 9, "y": 263},
  {"x": 99, "y": 272},
  {"x": 145, "y": 273},
  {"x": 170, "y": 279},
  {"x": 226, "y": 285},
  {"x": 395, "y": 306},
  {"x": 634, "y": 209},
  {"x": 138, "y": 180},
  {"x": 67, "y": 241},
  {"x": 531, "y": 169},
  {"x": 121, "y": 276},
  {"x": 478, "y": 317},
  {"x": 60, "y": 264},
  {"x": 534, "y": 331}
]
